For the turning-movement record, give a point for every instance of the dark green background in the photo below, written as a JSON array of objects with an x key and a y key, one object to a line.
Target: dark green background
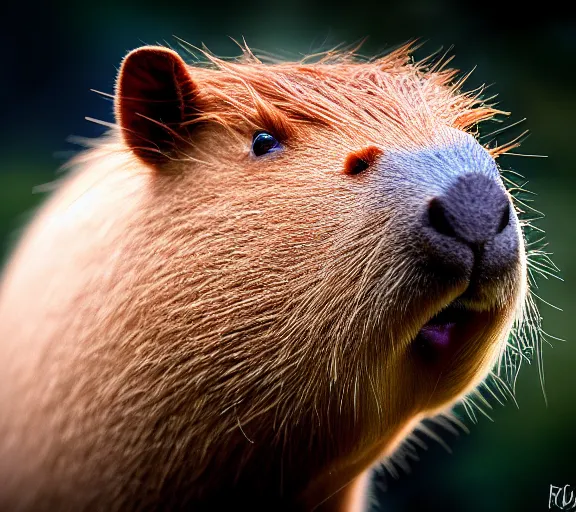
[{"x": 54, "y": 53}]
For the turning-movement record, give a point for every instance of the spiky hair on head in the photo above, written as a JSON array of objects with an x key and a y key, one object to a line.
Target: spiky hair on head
[{"x": 339, "y": 89}]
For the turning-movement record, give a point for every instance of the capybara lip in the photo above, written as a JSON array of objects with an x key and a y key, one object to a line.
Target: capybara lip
[{"x": 449, "y": 330}]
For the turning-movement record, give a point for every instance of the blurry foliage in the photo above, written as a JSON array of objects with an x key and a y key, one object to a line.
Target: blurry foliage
[{"x": 54, "y": 53}]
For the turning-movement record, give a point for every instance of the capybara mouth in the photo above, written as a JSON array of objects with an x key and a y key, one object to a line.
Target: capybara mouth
[{"x": 450, "y": 330}]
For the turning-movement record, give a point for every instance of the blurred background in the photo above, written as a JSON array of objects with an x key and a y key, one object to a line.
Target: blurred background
[{"x": 54, "y": 53}]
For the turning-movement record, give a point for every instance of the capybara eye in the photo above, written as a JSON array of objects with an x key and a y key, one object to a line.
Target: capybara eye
[{"x": 263, "y": 143}]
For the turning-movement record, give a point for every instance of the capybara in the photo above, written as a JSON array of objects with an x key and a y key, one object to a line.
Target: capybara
[{"x": 255, "y": 286}]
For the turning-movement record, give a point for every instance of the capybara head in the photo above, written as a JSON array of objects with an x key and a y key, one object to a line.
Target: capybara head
[{"x": 322, "y": 254}]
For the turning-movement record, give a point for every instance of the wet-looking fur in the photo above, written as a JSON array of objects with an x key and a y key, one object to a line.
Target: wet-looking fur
[{"x": 188, "y": 325}]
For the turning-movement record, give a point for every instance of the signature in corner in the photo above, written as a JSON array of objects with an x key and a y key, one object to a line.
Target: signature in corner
[{"x": 562, "y": 498}]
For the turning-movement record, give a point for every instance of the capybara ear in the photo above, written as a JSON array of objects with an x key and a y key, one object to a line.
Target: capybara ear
[{"x": 155, "y": 95}]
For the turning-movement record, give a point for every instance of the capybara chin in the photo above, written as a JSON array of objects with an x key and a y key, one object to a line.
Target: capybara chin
[{"x": 254, "y": 287}]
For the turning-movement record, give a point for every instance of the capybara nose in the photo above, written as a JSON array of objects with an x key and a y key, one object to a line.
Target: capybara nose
[{"x": 475, "y": 211}]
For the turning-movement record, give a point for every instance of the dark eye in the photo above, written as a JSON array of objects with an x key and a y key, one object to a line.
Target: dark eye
[{"x": 263, "y": 143}]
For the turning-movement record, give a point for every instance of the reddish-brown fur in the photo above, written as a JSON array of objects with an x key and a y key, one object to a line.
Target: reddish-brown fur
[{"x": 186, "y": 324}]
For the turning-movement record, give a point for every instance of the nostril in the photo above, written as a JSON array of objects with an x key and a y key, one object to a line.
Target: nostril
[
  {"x": 505, "y": 219},
  {"x": 438, "y": 220}
]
